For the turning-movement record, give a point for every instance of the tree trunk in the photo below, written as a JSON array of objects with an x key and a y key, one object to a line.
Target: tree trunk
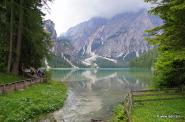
[
  {"x": 11, "y": 38},
  {"x": 19, "y": 40}
]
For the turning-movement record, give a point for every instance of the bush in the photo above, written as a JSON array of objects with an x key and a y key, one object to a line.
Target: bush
[
  {"x": 119, "y": 114},
  {"x": 47, "y": 76}
]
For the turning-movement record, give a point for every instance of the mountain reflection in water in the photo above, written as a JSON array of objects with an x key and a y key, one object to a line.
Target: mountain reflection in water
[{"x": 92, "y": 93}]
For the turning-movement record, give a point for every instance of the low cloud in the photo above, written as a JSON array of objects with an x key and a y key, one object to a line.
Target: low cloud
[{"x": 67, "y": 13}]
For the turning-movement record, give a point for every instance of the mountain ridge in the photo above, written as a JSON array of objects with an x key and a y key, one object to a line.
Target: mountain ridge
[{"x": 120, "y": 38}]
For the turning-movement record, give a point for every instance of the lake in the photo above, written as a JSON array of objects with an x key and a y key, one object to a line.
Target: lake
[{"x": 93, "y": 93}]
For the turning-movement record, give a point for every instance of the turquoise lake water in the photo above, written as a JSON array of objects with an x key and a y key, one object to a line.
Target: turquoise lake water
[{"x": 93, "y": 93}]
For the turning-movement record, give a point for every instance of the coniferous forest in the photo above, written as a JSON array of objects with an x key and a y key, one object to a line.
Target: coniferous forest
[{"x": 23, "y": 40}]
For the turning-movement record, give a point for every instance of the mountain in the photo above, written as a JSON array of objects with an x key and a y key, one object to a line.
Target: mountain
[
  {"x": 58, "y": 59},
  {"x": 113, "y": 41},
  {"x": 49, "y": 26}
]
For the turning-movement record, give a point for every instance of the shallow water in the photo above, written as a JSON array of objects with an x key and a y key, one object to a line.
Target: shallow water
[{"x": 93, "y": 93}]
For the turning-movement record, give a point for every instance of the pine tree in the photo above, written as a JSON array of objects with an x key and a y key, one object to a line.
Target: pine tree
[
  {"x": 19, "y": 39},
  {"x": 170, "y": 65},
  {"x": 4, "y": 26},
  {"x": 11, "y": 36},
  {"x": 22, "y": 37}
]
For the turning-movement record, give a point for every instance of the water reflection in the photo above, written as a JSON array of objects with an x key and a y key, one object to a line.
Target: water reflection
[{"x": 93, "y": 93}]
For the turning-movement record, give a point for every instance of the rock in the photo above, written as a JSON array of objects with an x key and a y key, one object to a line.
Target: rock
[
  {"x": 118, "y": 38},
  {"x": 49, "y": 26}
]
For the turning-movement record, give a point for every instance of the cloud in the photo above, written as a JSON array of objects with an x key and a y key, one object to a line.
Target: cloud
[{"x": 67, "y": 13}]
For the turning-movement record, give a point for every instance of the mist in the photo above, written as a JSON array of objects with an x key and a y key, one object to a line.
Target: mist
[{"x": 68, "y": 13}]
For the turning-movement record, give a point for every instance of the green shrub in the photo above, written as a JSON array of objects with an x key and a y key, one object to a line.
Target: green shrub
[
  {"x": 119, "y": 114},
  {"x": 47, "y": 76}
]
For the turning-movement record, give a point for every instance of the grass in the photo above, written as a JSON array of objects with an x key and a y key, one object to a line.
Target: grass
[
  {"x": 172, "y": 110},
  {"x": 36, "y": 100},
  {"x": 9, "y": 78}
]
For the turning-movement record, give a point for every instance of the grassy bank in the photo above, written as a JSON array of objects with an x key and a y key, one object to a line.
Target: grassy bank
[
  {"x": 8, "y": 78},
  {"x": 161, "y": 106},
  {"x": 33, "y": 101},
  {"x": 160, "y": 110}
]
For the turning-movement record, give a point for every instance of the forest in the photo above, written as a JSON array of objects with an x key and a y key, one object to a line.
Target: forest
[{"x": 23, "y": 41}]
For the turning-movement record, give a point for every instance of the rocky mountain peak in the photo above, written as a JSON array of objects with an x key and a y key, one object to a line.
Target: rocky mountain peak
[
  {"x": 49, "y": 26},
  {"x": 116, "y": 39}
]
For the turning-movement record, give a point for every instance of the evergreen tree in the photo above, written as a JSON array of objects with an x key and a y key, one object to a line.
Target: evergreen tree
[
  {"x": 23, "y": 39},
  {"x": 4, "y": 26},
  {"x": 11, "y": 36},
  {"x": 170, "y": 65},
  {"x": 145, "y": 60}
]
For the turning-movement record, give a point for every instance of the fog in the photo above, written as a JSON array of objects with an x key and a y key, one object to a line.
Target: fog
[{"x": 67, "y": 13}]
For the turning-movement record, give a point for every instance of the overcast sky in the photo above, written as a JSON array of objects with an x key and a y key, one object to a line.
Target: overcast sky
[{"x": 67, "y": 13}]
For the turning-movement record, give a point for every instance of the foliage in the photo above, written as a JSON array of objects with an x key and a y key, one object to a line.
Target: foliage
[
  {"x": 119, "y": 114},
  {"x": 2, "y": 36},
  {"x": 38, "y": 99},
  {"x": 146, "y": 60},
  {"x": 30, "y": 43},
  {"x": 58, "y": 62},
  {"x": 47, "y": 75},
  {"x": 170, "y": 65},
  {"x": 103, "y": 63}
]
